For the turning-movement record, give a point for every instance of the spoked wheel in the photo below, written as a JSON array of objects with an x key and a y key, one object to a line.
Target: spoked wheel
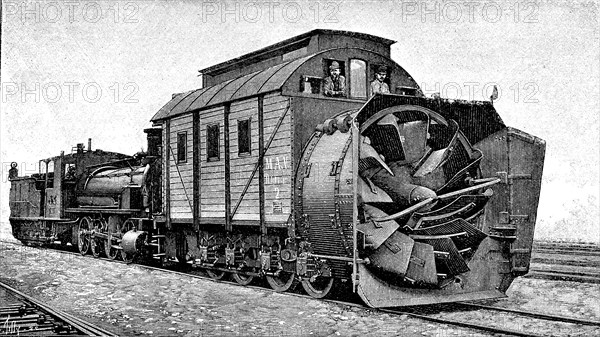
[
  {"x": 215, "y": 274},
  {"x": 281, "y": 283},
  {"x": 242, "y": 279},
  {"x": 113, "y": 228},
  {"x": 96, "y": 245},
  {"x": 319, "y": 288},
  {"x": 83, "y": 241},
  {"x": 109, "y": 249}
]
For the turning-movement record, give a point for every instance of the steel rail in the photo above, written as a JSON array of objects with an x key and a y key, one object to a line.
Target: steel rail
[
  {"x": 463, "y": 324},
  {"x": 79, "y": 324},
  {"x": 533, "y": 314},
  {"x": 561, "y": 275}
]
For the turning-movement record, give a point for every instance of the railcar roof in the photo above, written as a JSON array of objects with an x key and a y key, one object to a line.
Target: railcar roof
[
  {"x": 258, "y": 82},
  {"x": 258, "y": 55}
]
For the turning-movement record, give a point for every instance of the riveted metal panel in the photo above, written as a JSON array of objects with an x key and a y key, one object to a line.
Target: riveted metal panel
[
  {"x": 322, "y": 222},
  {"x": 526, "y": 155},
  {"x": 495, "y": 160}
]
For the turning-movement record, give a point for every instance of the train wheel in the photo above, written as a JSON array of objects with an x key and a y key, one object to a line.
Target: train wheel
[
  {"x": 319, "y": 288},
  {"x": 109, "y": 250},
  {"x": 242, "y": 279},
  {"x": 128, "y": 258},
  {"x": 215, "y": 274},
  {"x": 113, "y": 235},
  {"x": 281, "y": 283},
  {"x": 95, "y": 247},
  {"x": 83, "y": 241}
]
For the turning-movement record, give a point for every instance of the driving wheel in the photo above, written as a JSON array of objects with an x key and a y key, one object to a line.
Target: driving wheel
[{"x": 83, "y": 241}]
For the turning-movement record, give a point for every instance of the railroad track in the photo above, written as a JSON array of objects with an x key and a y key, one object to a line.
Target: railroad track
[
  {"x": 23, "y": 315},
  {"x": 565, "y": 262},
  {"x": 567, "y": 248},
  {"x": 431, "y": 313},
  {"x": 564, "y": 275}
]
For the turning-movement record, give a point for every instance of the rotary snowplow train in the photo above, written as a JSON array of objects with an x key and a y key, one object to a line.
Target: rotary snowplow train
[{"x": 263, "y": 172}]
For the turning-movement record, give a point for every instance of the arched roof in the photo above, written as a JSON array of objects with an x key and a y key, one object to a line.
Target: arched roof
[{"x": 258, "y": 82}]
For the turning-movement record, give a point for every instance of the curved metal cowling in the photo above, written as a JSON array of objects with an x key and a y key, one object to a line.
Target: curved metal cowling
[{"x": 111, "y": 180}]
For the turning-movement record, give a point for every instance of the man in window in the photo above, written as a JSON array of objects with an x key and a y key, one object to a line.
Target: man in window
[
  {"x": 335, "y": 84},
  {"x": 378, "y": 85}
]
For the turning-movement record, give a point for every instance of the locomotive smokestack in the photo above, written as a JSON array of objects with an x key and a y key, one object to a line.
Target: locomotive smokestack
[{"x": 89, "y": 144}]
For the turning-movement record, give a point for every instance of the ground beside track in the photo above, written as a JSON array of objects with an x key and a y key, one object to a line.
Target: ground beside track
[
  {"x": 130, "y": 300},
  {"x": 134, "y": 301}
]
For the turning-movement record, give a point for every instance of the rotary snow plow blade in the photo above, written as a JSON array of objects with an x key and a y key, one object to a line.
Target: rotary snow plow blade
[{"x": 447, "y": 199}]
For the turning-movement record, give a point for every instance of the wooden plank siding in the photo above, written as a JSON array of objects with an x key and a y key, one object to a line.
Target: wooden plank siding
[
  {"x": 243, "y": 164},
  {"x": 181, "y": 175},
  {"x": 212, "y": 174},
  {"x": 277, "y": 182},
  {"x": 277, "y": 161}
]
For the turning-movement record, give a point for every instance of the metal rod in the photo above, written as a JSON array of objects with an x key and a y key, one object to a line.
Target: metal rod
[
  {"x": 432, "y": 237},
  {"x": 355, "y": 158},
  {"x": 406, "y": 211},
  {"x": 440, "y": 197},
  {"x": 468, "y": 189},
  {"x": 482, "y": 180},
  {"x": 338, "y": 258}
]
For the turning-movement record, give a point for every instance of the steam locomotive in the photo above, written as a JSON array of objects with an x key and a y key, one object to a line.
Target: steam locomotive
[{"x": 262, "y": 172}]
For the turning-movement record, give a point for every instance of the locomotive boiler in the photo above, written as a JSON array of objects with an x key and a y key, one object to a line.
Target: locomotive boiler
[{"x": 293, "y": 164}]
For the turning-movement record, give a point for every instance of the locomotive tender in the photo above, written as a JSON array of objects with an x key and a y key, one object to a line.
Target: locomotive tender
[{"x": 407, "y": 199}]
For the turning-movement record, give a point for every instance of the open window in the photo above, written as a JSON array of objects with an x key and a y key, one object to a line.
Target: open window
[
  {"x": 212, "y": 142},
  {"x": 310, "y": 84},
  {"x": 358, "y": 79},
  {"x": 181, "y": 147},
  {"x": 334, "y": 78},
  {"x": 244, "y": 137}
]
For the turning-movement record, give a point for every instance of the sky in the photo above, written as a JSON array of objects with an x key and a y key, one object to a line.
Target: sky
[{"x": 101, "y": 69}]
